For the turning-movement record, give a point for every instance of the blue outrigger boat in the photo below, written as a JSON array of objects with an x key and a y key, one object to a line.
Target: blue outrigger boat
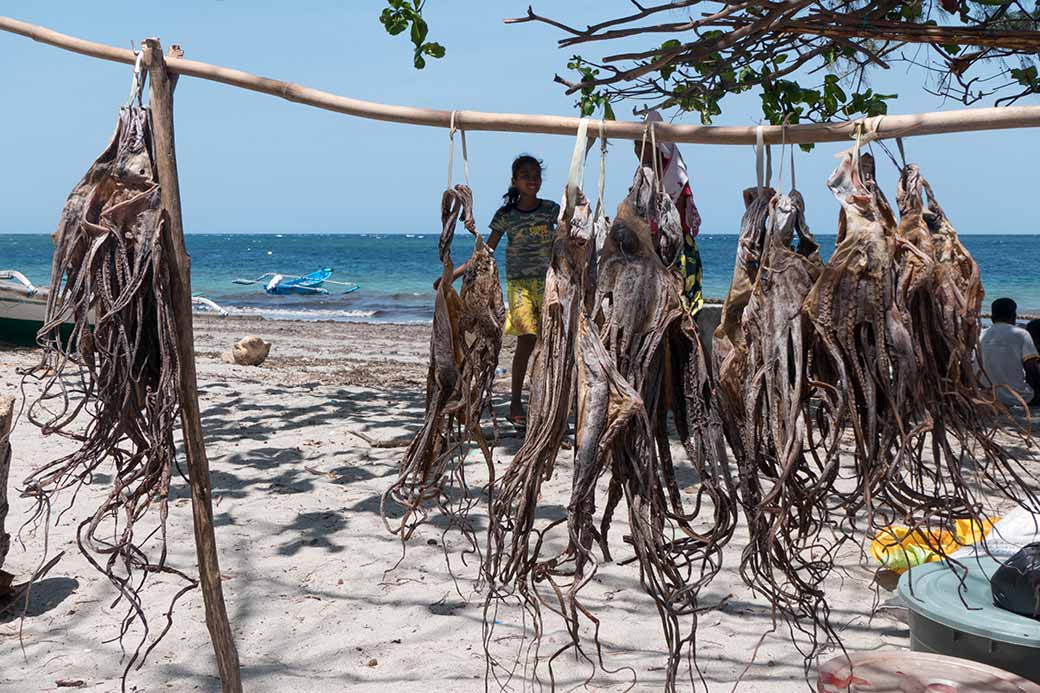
[{"x": 308, "y": 284}]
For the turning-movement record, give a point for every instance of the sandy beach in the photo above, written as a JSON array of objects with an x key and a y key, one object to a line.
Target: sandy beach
[{"x": 307, "y": 562}]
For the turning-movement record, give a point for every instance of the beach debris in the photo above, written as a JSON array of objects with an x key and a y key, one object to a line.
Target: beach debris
[
  {"x": 111, "y": 386},
  {"x": 248, "y": 351},
  {"x": 464, "y": 347}
]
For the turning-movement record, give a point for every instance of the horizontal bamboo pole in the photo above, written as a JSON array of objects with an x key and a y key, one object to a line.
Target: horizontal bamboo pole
[{"x": 964, "y": 120}]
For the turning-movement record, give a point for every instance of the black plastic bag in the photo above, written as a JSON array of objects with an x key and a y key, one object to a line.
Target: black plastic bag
[{"x": 1016, "y": 584}]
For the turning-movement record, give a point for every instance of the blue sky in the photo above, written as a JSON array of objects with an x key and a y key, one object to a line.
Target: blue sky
[{"x": 253, "y": 163}]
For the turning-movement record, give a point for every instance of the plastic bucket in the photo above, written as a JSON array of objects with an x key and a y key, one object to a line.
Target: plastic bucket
[{"x": 949, "y": 617}]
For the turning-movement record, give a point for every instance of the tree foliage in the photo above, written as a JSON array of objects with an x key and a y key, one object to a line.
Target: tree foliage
[
  {"x": 808, "y": 60},
  {"x": 406, "y": 15}
]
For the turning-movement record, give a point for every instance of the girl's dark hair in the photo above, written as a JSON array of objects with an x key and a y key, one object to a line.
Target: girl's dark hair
[{"x": 512, "y": 195}]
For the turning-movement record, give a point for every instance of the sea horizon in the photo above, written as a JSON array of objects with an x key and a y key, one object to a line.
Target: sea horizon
[{"x": 396, "y": 270}]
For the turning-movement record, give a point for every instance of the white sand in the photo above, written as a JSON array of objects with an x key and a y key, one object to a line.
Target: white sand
[{"x": 304, "y": 552}]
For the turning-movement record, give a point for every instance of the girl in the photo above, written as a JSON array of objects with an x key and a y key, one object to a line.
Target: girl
[{"x": 529, "y": 223}]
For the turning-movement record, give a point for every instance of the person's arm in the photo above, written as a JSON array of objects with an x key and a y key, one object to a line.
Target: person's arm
[
  {"x": 1031, "y": 363},
  {"x": 493, "y": 238},
  {"x": 1032, "y": 368}
]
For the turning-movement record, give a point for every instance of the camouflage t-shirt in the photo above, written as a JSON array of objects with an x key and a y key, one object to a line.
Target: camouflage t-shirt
[{"x": 530, "y": 237}]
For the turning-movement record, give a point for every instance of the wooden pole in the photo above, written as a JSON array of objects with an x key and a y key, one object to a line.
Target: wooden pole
[
  {"x": 161, "y": 103},
  {"x": 6, "y": 417},
  {"x": 964, "y": 120}
]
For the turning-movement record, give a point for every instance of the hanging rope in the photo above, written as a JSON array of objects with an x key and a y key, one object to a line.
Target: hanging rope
[
  {"x": 602, "y": 167},
  {"x": 577, "y": 168},
  {"x": 452, "y": 129},
  {"x": 137, "y": 84},
  {"x": 763, "y": 159}
]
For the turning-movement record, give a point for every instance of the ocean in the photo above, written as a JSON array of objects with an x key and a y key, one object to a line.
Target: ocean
[{"x": 396, "y": 271}]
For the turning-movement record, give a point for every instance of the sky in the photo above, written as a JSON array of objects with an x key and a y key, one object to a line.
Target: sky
[{"x": 253, "y": 163}]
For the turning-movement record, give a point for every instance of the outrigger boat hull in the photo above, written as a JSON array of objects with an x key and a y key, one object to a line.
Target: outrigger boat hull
[
  {"x": 21, "y": 315},
  {"x": 23, "y": 309},
  {"x": 308, "y": 284}
]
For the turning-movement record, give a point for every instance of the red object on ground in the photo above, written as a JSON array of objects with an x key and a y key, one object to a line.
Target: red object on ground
[{"x": 903, "y": 671}]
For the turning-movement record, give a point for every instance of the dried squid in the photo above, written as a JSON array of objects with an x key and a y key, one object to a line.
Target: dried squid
[
  {"x": 464, "y": 347},
  {"x": 784, "y": 488},
  {"x": 655, "y": 347},
  {"x": 118, "y": 369},
  {"x": 729, "y": 350},
  {"x": 513, "y": 566}
]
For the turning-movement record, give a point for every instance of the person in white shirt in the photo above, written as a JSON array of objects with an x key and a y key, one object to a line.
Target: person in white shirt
[{"x": 1009, "y": 357}]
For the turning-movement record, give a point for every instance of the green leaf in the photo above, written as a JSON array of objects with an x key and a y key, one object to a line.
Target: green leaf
[
  {"x": 419, "y": 31},
  {"x": 394, "y": 22},
  {"x": 407, "y": 14},
  {"x": 1027, "y": 77}
]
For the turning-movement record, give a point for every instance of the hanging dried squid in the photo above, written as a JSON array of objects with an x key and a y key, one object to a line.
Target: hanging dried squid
[
  {"x": 729, "y": 349},
  {"x": 118, "y": 369},
  {"x": 655, "y": 347},
  {"x": 868, "y": 360},
  {"x": 952, "y": 452},
  {"x": 647, "y": 363},
  {"x": 513, "y": 565},
  {"x": 464, "y": 348},
  {"x": 785, "y": 487}
]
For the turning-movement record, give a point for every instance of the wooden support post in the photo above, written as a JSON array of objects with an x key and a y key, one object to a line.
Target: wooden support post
[
  {"x": 6, "y": 416},
  {"x": 161, "y": 103}
]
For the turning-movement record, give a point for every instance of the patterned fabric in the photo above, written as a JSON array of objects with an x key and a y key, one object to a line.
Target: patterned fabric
[
  {"x": 525, "y": 298},
  {"x": 690, "y": 266},
  {"x": 530, "y": 237},
  {"x": 690, "y": 259}
]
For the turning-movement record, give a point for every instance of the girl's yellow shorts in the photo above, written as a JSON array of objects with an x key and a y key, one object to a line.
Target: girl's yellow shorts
[{"x": 525, "y": 298}]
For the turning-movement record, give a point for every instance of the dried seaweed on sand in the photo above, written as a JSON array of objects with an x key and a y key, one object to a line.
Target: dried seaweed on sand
[
  {"x": 117, "y": 373},
  {"x": 464, "y": 347}
]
